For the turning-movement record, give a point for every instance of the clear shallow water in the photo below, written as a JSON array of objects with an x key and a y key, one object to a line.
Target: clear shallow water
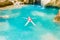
[{"x": 45, "y": 29}]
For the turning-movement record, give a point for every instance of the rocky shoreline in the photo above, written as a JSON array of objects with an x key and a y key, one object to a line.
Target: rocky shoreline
[
  {"x": 5, "y": 3},
  {"x": 53, "y": 3}
]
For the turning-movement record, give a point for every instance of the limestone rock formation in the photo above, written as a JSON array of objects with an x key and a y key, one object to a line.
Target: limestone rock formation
[
  {"x": 57, "y": 18},
  {"x": 54, "y": 3},
  {"x": 5, "y": 3}
]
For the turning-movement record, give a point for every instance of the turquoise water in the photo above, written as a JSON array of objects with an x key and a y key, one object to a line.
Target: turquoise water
[{"x": 45, "y": 29}]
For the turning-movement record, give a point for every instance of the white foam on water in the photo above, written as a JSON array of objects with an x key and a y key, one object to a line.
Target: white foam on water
[
  {"x": 36, "y": 13},
  {"x": 43, "y": 7},
  {"x": 43, "y": 15},
  {"x": 44, "y": 2},
  {"x": 48, "y": 36},
  {"x": 3, "y": 38},
  {"x": 4, "y": 26},
  {"x": 14, "y": 15},
  {"x": 10, "y": 15}
]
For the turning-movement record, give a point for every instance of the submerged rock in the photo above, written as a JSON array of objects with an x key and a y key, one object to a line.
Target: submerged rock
[{"x": 57, "y": 18}]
